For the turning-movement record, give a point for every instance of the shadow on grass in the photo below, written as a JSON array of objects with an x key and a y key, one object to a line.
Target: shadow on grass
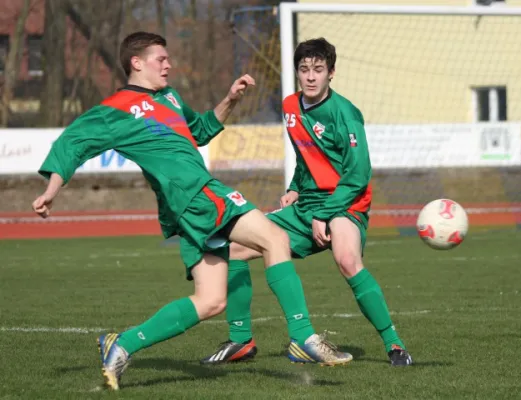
[
  {"x": 65, "y": 370},
  {"x": 356, "y": 352},
  {"x": 416, "y": 363},
  {"x": 196, "y": 372}
]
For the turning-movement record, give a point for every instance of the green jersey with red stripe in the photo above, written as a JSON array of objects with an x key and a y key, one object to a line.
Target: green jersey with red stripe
[
  {"x": 157, "y": 131},
  {"x": 333, "y": 168}
]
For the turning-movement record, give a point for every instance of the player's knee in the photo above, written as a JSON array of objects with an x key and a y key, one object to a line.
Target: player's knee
[
  {"x": 213, "y": 307},
  {"x": 217, "y": 307},
  {"x": 239, "y": 252},
  {"x": 209, "y": 305},
  {"x": 277, "y": 238},
  {"x": 349, "y": 263}
]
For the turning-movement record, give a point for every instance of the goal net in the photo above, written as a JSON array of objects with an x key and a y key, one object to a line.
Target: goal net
[{"x": 440, "y": 90}]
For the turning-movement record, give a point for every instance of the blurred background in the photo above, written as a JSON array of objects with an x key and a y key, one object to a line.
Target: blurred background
[{"x": 441, "y": 96}]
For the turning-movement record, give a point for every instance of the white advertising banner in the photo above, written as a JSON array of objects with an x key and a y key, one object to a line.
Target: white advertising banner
[
  {"x": 444, "y": 145},
  {"x": 22, "y": 151}
]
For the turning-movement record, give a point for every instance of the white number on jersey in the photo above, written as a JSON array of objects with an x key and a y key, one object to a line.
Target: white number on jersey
[
  {"x": 138, "y": 111},
  {"x": 291, "y": 120}
]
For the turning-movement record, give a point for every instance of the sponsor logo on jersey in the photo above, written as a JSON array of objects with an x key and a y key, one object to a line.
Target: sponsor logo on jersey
[
  {"x": 319, "y": 129},
  {"x": 305, "y": 143}
]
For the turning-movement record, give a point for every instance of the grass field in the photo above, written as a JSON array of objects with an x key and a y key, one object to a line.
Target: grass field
[{"x": 459, "y": 313}]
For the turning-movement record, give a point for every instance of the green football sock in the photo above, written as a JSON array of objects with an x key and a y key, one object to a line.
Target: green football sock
[
  {"x": 370, "y": 299},
  {"x": 171, "y": 320},
  {"x": 238, "y": 306},
  {"x": 286, "y": 285}
]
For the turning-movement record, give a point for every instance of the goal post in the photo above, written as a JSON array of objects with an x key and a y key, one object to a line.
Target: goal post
[{"x": 439, "y": 87}]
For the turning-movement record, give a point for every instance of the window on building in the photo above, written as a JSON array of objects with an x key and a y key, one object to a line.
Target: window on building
[
  {"x": 490, "y": 2},
  {"x": 490, "y": 103},
  {"x": 34, "y": 46}
]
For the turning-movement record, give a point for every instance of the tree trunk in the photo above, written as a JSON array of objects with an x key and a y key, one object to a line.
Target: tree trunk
[
  {"x": 12, "y": 65},
  {"x": 210, "y": 57},
  {"x": 161, "y": 17},
  {"x": 116, "y": 33},
  {"x": 51, "y": 100}
]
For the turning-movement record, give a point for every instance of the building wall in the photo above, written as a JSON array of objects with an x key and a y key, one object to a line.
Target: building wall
[
  {"x": 454, "y": 3},
  {"x": 420, "y": 69}
]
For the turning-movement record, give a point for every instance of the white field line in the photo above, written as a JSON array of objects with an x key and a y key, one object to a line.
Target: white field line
[
  {"x": 153, "y": 216},
  {"x": 68, "y": 329},
  {"x": 86, "y": 330},
  {"x": 15, "y": 261},
  {"x": 79, "y": 218}
]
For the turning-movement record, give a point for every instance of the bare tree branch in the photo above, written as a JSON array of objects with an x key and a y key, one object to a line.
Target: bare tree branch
[{"x": 102, "y": 47}]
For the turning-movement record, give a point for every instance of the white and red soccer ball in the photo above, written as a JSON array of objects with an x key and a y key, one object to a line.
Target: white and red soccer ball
[{"x": 442, "y": 224}]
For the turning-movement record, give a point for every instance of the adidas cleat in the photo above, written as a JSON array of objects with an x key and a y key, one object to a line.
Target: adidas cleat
[
  {"x": 114, "y": 359},
  {"x": 399, "y": 357},
  {"x": 317, "y": 350},
  {"x": 232, "y": 352}
]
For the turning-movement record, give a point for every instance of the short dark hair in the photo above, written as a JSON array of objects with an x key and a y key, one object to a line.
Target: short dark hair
[
  {"x": 315, "y": 48},
  {"x": 135, "y": 44}
]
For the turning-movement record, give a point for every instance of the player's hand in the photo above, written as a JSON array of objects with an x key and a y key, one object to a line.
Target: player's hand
[
  {"x": 288, "y": 199},
  {"x": 319, "y": 233},
  {"x": 42, "y": 206},
  {"x": 239, "y": 87}
]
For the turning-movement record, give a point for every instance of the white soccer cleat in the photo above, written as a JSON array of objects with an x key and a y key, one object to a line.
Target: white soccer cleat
[
  {"x": 317, "y": 350},
  {"x": 114, "y": 359}
]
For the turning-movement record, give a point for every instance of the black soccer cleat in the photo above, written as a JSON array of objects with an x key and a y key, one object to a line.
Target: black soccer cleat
[
  {"x": 232, "y": 352},
  {"x": 399, "y": 357}
]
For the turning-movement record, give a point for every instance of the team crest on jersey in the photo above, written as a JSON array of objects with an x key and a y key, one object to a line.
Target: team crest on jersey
[
  {"x": 352, "y": 140},
  {"x": 237, "y": 198},
  {"x": 319, "y": 129},
  {"x": 171, "y": 98}
]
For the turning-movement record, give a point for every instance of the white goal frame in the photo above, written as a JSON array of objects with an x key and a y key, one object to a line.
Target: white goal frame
[{"x": 287, "y": 40}]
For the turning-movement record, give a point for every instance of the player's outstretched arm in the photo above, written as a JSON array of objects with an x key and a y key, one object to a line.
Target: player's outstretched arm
[
  {"x": 87, "y": 137},
  {"x": 206, "y": 126},
  {"x": 43, "y": 204},
  {"x": 225, "y": 107}
]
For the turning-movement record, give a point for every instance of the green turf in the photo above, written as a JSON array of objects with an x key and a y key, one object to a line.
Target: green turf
[{"x": 459, "y": 313}]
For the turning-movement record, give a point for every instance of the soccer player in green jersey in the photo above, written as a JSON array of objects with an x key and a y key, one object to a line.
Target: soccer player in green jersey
[
  {"x": 326, "y": 205},
  {"x": 148, "y": 123}
]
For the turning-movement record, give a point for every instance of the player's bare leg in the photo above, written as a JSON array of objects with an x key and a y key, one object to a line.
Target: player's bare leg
[
  {"x": 210, "y": 281},
  {"x": 347, "y": 252},
  {"x": 208, "y": 300},
  {"x": 241, "y": 346},
  {"x": 255, "y": 231}
]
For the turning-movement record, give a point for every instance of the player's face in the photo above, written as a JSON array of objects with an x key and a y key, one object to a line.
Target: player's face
[
  {"x": 155, "y": 66},
  {"x": 314, "y": 77}
]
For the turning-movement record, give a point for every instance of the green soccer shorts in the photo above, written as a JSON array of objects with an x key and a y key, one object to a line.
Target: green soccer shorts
[
  {"x": 296, "y": 221},
  {"x": 211, "y": 210}
]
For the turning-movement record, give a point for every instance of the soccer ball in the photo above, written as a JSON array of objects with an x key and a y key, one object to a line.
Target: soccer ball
[{"x": 442, "y": 224}]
